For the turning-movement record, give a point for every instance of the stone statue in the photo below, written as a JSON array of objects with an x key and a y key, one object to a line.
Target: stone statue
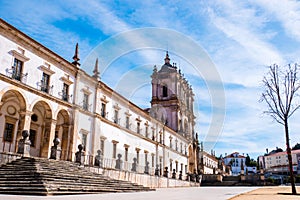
[
  {"x": 55, "y": 149},
  {"x": 119, "y": 162},
  {"x": 24, "y": 144},
  {"x": 133, "y": 168}
]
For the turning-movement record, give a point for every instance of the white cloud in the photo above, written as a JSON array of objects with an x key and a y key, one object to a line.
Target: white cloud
[
  {"x": 236, "y": 34},
  {"x": 285, "y": 11}
]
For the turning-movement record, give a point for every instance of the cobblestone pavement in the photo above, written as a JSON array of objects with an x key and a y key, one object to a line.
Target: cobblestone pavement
[
  {"x": 199, "y": 193},
  {"x": 269, "y": 193}
]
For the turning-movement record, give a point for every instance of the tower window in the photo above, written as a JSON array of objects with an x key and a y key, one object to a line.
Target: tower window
[
  {"x": 165, "y": 91},
  {"x": 127, "y": 122},
  {"x": 114, "y": 150},
  {"x": 116, "y": 117},
  {"x": 85, "y": 103},
  {"x": 138, "y": 127},
  {"x": 103, "y": 110}
]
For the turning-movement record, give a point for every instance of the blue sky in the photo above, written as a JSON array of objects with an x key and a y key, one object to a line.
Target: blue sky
[{"x": 241, "y": 38}]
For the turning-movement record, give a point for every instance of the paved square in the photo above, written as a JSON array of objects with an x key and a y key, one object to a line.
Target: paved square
[{"x": 203, "y": 193}]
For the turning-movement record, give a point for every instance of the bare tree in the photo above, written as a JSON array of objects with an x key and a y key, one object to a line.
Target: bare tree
[{"x": 281, "y": 86}]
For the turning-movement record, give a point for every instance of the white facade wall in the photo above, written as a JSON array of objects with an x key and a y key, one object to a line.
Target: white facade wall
[
  {"x": 210, "y": 164},
  {"x": 26, "y": 97},
  {"x": 278, "y": 162},
  {"x": 235, "y": 160},
  {"x": 74, "y": 123},
  {"x": 33, "y": 68},
  {"x": 118, "y": 133}
]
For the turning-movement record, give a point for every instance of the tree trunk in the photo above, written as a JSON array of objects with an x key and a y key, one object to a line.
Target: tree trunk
[{"x": 289, "y": 154}]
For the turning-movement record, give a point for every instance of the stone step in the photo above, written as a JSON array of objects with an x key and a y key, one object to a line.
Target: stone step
[{"x": 38, "y": 176}]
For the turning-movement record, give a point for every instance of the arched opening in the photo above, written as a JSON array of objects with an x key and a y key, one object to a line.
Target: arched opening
[
  {"x": 12, "y": 120},
  {"x": 40, "y": 129},
  {"x": 62, "y": 132}
]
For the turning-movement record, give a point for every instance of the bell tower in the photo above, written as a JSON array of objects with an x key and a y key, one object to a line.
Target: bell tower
[{"x": 172, "y": 99}]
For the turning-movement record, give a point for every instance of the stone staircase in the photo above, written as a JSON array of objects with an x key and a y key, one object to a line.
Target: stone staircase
[{"x": 39, "y": 176}]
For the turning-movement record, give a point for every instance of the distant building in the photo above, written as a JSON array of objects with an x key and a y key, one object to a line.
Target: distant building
[
  {"x": 235, "y": 161},
  {"x": 209, "y": 164},
  {"x": 277, "y": 163}
]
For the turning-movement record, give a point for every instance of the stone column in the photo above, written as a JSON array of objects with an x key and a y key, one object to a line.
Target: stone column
[
  {"x": 27, "y": 119},
  {"x": 74, "y": 132},
  {"x": 71, "y": 134},
  {"x": 48, "y": 136},
  {"x": 64, "y": 141},
  {"x": 24, "y": 124}
]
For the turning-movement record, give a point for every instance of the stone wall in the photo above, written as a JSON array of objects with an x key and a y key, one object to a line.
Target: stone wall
[
  {"x": 144, "y": 179},
  {"x": 212, "y": 178}
]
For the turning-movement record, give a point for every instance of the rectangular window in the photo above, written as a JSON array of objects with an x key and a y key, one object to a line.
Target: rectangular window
[
  {"x": 181, "y": 167},
  {"x": 114, "y": 150},
  {"x": 176, "y": 165},
  {"x": 171, "y": 166},
  {"x": 45, "y": 82},
  {"x": 146, "y": 131},
  {"x": 153, "y": 134},
  {"x": 8, "y": 132},
  {"x": 84, "y": 141},
  {"x": 85, "y": 103},
  {"x": 32, "y": 137},
  {"x": 65, "y": 92},
  {"x": 165, "y": 91},
  {"x": 116, "y": 116},
  {"x": 126, "y": 154},
  {"x": 160, "y": 138},
  {"x": 127, "y": 122},
  {"x": 102, "y": 147},
  {"x": 17, "y": 69},
  {"x": 103, "y": 110},
  {"x": 146, "y": 158},
  {"x": 138, "y": 126},
  {"x": 153, "y": 160}
]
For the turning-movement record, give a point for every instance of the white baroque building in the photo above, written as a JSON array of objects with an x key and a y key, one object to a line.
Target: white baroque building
[
  {"x": 236, "y": 161},
  {"x": 53, "y": 98}
]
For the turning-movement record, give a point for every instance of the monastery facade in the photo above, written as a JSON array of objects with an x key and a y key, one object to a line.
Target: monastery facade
[{"x": 53, "y": 98}]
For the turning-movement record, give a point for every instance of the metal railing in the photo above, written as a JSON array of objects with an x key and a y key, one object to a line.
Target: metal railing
[
  {"x": 12, "y": 73},
  {"x": 117, "y": 164},
  {"x": 45, "y": 88},
  {"x": 66, "y": 97}
]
